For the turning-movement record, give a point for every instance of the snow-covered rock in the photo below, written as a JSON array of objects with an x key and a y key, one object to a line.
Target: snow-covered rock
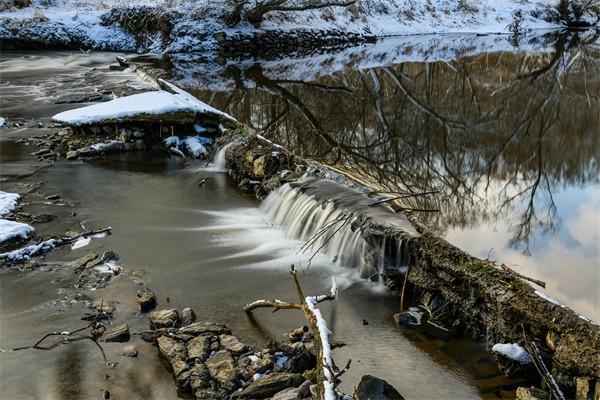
[
  {"x": 512, "y": 351},
  {"x": 2, "y": 122},
  {"x": 194, "y": 145},
  {"x": 149, "y": 106},
  {"x": 10, "y": 230}
]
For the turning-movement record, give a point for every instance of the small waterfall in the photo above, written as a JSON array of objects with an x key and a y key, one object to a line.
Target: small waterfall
[
  {"x": 328, "y": 227},
  {"x": 219, "y": 163}
]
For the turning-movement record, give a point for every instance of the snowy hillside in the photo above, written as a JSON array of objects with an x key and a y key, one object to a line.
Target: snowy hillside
[{"x": 183, "y": 25}]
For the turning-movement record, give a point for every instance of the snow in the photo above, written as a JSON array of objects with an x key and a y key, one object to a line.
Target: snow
[
  {"x": 12, "y": 230},
  {"x": 82, "y": 20},
  {"x": 324, "y": 333},
  {"x": 557, "y": 303},
  {"x": 154, "y": 103},
  {"x": 2, "y": 122},
  {"x": 280, "y": 360},
  {"x": 8, "y": 202},
  {"x": 193, "y": 144},
  {"x": 109, "y": 267},
  {"x": 81, "y": 242},
  {"x": 103, "y": 145},
  {"x": 29, "y": 251},
  {"x": 512, "y": 351}
]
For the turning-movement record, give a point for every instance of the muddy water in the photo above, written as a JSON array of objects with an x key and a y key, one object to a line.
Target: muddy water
[
  {"x": 506, "y": 134},
  {"x": 208, "y": 247}
]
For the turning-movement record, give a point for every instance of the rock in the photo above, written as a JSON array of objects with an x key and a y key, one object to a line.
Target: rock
[
  {"x": 119, "y": 333},
  {"x": 146, "y": 299},
  {"x": 171, "y": 349},
  {"x": 130, "y": 353},
  {"x": 200, "y": 347},
  {"x": 163, "y": 318},
  {"x": 530, "y": 393},
  {"x": 301, "y": 360},
  {"x": 584, "y": 388},
  {"x": 271, "y": 384},
  {"x": 232, "y": 344},
  {"x": 208, "y": 395},
  {"x": 371, "y": 387},
  {"x": 187, "y": 316},
  {"x": 288, "y": 394},
  {"x": 258, "y": 169},
  {"x": 196, "y": 378},
  {"x": 199, "y": 328},
  {"x": 222, "y": 368}
]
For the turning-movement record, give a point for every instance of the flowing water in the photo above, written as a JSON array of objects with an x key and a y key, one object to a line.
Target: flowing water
[{"x": 388, "y": 114}]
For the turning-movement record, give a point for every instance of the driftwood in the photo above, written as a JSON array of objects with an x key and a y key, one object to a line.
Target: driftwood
[
  {"x": 95, "y": 330},
  {"x": 327, "y": 372}
]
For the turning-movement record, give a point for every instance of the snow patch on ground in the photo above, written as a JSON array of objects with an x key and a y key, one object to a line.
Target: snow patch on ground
[
  {"x": 512, "y": 351},
  {"x": 2, "y": 122},
  {"x": 8, "y": 202},
  {"x": 27, "y": 252},
  {"x": 10, "y": 230},
  {"x": 104, "y": 145}
]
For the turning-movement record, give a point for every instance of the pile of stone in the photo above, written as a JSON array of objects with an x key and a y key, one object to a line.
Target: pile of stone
[{"x": 208, "y": 362}]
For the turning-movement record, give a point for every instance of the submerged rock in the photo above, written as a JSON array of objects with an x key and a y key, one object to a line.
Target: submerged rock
[
  {"x": 371, "y": 387},
  {"x": 163, "y": 319}
]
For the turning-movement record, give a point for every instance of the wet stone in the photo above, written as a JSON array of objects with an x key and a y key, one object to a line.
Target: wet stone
[
  {"x": 199, "y": 328},
  {"x": 371, "y": 387},
  {"x": 171, "y": 349},
  {"x": 146, "y": 299},
  {"x": 222, "y": 367},
  {"x": 232, "y": 344},
  {"x": 270, "y": 385},
  {"x": 119, "y": 333},
  {"x": 200, "y": 347},
  {"x": 187, "y": 316},
  {"x": 163, "y": 318}
]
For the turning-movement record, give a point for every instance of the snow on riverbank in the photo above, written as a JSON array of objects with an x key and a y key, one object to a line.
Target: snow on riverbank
[
  {"x": 512, "y": 351},
  {"x": 10, "y": 230},
  {"x": 192, "y": 24}
]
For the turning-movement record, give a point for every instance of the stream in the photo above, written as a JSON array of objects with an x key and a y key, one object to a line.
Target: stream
[{"x": 515, "y": 184}]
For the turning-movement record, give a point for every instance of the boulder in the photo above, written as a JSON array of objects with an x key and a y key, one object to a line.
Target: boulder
[
  {"x": 232, "y": 344},
  {"x": 146, "y": 299},
  {"x": 199, "y": 328},
  {"x": 371, "y": 387},
  {"x": 530, "y": 393},
  {"x": 187, "y": 316},
  {"x": 163, "y": 318},
  {"x": 222, "y": 367},
  {"x": 270, "y": 385},
  {"x": 119, "y": 333}
]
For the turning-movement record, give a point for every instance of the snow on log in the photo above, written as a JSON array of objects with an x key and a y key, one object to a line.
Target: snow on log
[{"x": 174, "y": 104}]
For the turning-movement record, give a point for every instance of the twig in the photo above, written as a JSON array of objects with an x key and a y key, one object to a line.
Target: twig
[
  {"x": 510, "y": 271},
  {"x": 533, "y": 350}
]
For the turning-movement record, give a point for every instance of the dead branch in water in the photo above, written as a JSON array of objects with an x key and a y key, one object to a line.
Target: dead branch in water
[
  {"x": 327, "y": 372},
  {"x": 95, "y": 327}
]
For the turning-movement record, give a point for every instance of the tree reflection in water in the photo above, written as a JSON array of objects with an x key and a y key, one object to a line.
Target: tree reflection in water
[{"x": 495, "y": 133}]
